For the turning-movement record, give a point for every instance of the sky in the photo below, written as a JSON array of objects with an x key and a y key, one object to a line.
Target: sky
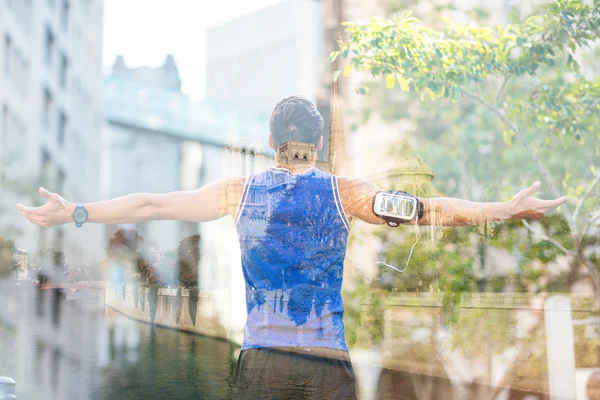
[{"x": 145, "y": 31}]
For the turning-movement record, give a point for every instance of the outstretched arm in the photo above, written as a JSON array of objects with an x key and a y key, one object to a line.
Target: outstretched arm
[
  {"x": 189, "y": 205},
  {"x": 357, "y": 200},
  {"x": 450, "y": 211}
]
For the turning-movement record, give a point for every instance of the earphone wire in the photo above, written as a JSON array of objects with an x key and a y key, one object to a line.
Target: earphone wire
[{"x": 417, "y": 236}]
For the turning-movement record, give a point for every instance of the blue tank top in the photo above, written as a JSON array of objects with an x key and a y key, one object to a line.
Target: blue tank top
[{"x": 293, "y": 234}]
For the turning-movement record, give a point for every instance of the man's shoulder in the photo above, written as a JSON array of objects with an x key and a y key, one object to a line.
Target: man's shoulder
[{"x": 355, "y": 184}]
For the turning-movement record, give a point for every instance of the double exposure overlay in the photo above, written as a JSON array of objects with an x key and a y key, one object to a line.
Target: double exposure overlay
[{"x": 299, "y": 199}]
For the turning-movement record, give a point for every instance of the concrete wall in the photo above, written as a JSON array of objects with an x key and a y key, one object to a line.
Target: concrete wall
[
  {"x": 208, "y": 318},
  {"x": 498, "y": 339}
]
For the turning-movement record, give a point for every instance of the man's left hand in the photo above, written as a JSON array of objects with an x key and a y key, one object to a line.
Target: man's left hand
[{"x": 524, "y": 206}]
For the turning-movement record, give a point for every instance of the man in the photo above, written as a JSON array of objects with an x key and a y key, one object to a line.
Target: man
[{"x": 293, "y": 223}]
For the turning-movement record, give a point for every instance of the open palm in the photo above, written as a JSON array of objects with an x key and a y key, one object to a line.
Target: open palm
[
  {"x": 57, "y": 211},
  {"x": 524, "y": 206}
]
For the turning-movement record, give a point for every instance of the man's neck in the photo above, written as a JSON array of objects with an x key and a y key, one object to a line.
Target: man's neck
[
  {"x": 295, "y": 168},
  {"x": 296, "y": 157}
]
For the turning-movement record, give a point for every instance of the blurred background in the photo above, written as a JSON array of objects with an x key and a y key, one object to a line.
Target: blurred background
[{"x": 100, "y": 99}]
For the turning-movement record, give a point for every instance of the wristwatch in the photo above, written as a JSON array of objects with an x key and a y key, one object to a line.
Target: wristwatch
[{"x": 80, "y": 215}]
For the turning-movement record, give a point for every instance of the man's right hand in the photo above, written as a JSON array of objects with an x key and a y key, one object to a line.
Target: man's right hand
[{"x": 57, "y": 211}]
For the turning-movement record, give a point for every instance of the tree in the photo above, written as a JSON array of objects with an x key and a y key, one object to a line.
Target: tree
[
  {"x": 128, "y": 245},
  {"x": 462, "y": 143},
  {"x": 8, "y": 261},
  {"x": 188, "y": 253},
  {"x": 479, "y": 64},
  {"x": 49, "y": 265}
]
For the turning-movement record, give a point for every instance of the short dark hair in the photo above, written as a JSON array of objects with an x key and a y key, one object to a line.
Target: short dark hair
[{"x": 296, "y": 118}]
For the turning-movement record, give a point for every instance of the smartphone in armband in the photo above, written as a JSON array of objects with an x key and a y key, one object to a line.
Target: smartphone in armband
[{"x": 396, "y": 207}]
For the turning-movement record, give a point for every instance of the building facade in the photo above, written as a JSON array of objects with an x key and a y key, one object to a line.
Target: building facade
[
  {"x": 157, "y": 140},
  {"x": 50, "y": 116},
  {"x": 251, "y": 66}
]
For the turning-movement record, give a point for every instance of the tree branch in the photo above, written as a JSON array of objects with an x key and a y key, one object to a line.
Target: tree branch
[
  {"x": 585, "y": 195},
  {"x": 501, "y": 88},
  {"x": 592, "y": 269},
  {"x": 521, "y": 137},
  {"x": 594, "y": 274},
  {"x": 549, "y": 239}
]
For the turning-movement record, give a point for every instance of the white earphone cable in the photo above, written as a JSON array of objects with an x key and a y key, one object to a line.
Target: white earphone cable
[{"x": 417, "y": 236}]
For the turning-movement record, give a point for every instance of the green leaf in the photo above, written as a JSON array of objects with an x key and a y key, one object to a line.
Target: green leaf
[
  {"x": 348, "y": 70},
  {"x": 403, "y": 84},
  {"x": 428, "y": 92},
  {"x": 593, "y": 170},
  {"x": 390, "y": 81},
  {"x": 362, "y": 90},
  {"x": 456, "y": 93},
  {"x": 441, "y": 91},
  {"x": 507, "y": 136},
  {"x": 564, "y": 36},
  {"x": 333, "y": 56},
  {"x": 575, "y": 66}
]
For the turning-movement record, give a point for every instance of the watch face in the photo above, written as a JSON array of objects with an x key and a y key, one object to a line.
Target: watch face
[{"x": 80, "y": 216}]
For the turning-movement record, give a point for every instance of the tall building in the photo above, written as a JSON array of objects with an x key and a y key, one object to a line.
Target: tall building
[
  {"x": 257, "y": 59},
  {"x": 136, "y": 159},
  {"x": 50, "y": 116},
  {"x": 157, "y": 140}
]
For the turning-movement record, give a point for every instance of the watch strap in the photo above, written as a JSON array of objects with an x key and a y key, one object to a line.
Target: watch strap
[{"x": 80, "y": 208}]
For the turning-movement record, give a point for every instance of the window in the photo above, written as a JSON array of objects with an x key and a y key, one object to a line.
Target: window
[
  {"x": 47, "y": 108},
  {"x": 25, "y": 77},
  {"x": 49, "y": 46},
  {"x": 62, "y": 127},
  {"x": 60, "y": 182},
  {"x": 62, "y": 75},
  {"x": 17, "y": 67},
  {"x": 7, "y": 51},
  {"x": 45, "y": 159},
  {"x": 45, "y": 167},
  {"x": 4, "y": 129},
  {"x": 243, "y": 162},
  {"x": 64, "y": 15}
]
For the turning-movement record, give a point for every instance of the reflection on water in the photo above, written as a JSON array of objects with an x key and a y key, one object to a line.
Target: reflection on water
[
  {"x": 70, "y": 347},
  {"x": 146, "y": 362},
  {"x": 58, "y": 344}
]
